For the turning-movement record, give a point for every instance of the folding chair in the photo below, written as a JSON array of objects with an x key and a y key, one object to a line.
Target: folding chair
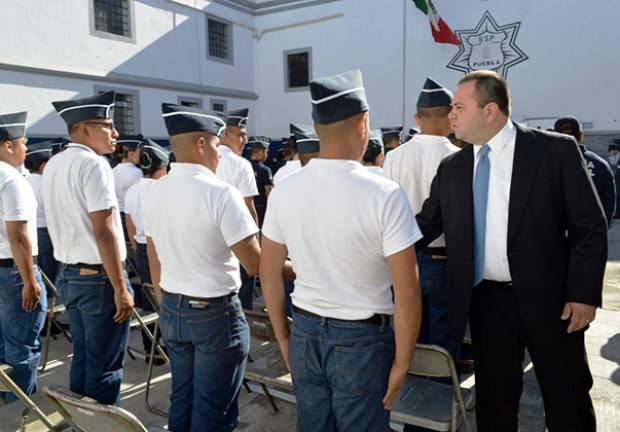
[
  {"x": 33, "y": 404},
  {"x": 53, "y": 310},
  {"x": 430, "y": 404},
  {"x": 149, "y": 292},
  {"x": 266, "y": 367},
  {"x": 86, "y": 414}
]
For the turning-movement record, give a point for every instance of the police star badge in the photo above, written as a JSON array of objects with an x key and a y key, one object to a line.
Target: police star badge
[{"x": 489, "y": 46}]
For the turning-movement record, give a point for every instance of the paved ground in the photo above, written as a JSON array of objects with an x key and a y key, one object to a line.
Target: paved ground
[{"x": 603, "y": 344}]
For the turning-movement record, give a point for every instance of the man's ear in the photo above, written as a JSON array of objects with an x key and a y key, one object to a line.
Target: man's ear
[
  {"x": 491, "y": 111},
  {"x": 580, "y": 135},
  {"x": 200, "y": 144}
]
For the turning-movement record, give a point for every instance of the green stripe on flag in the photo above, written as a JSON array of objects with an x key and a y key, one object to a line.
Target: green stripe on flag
[{"x": 422, "y": 5}]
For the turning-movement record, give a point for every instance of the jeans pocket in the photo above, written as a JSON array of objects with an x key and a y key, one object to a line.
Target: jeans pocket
[
  {"x": 210, "y": 334},
  {"x": 165, "y": 320},
  {"x": 297, "y": 357},
  {"x": 94, "y": 297},
  {"x": 358, "y": 368}
]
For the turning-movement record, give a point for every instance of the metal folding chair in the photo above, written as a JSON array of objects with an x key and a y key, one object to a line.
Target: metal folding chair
[{"x": 53, "y": 310}]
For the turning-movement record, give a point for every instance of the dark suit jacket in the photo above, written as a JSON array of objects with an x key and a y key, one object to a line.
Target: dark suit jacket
[{"x": 557, "y": 234}]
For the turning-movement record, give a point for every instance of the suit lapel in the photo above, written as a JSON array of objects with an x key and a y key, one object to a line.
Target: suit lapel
[{"x": 524, "y": 167}]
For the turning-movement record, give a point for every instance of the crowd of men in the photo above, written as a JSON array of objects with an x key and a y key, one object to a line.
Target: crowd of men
[{"x": 474, "y": 217}]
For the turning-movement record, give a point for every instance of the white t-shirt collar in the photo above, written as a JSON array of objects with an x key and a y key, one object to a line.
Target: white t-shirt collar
[
  {"x": 189, "y": 169},
  {"x": 82, "y": 146},
  {"x": 334, "y": 164}
]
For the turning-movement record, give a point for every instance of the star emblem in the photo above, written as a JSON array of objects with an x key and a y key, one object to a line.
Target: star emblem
[{"x": 488, "y": 46}]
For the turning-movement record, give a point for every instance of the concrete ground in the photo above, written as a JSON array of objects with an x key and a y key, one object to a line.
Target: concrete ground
[{"x": 603, "y": 346}]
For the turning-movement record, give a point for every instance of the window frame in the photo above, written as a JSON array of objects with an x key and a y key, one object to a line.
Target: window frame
[
  {"x": 229, "y": 34},
  {"x": 190, "y": 99},
  {"x": 101, "y": 34},
  {"x": 218, "y": 101},
  {"x": 287, "y": 87},
  {"x": 137, "y": 126}
]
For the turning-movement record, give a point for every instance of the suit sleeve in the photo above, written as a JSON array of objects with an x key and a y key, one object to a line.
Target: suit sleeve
[
  {"x": 587, "y": 231},
  {"x": 429, "y": 219}
]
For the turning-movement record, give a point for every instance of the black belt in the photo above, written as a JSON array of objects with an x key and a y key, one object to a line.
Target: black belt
[
  {"x": 376, "y": 319},
  {"x": 434, "y": 251},
  {"x": 9, "y": 262},
  {"x": 495, "y": 284},
  {"x": 94, "y": 267},
  {"x": 220, "y": 299}
]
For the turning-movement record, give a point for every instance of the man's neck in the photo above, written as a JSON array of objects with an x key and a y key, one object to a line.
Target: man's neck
[
  {"x": 7, "y": 161},
  {"x": 493, "y": 130}
]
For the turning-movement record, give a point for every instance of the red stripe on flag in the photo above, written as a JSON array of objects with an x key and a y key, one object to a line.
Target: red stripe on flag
[{"x": 445, "y": 34}]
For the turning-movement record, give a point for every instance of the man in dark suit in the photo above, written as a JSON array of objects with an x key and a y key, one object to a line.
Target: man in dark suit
[{"x": 527, "y": 247}]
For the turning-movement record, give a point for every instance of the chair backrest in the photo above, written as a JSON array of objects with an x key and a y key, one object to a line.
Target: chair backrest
[
  {"x": 431, "y": 361},
  {"x": 88, "y": 415},
  {"x": 5, "y": 370},
  {"x": 260, "y": 326}
]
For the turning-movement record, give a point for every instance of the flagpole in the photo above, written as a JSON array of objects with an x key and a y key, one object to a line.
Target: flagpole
[{"x": 404, "y": 105}]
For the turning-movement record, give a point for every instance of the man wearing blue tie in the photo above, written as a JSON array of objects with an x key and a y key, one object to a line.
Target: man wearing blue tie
[{"x": 527, "y": 247}]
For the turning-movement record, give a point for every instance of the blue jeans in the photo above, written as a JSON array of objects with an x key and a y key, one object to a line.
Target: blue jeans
[
  {"x": 47, "y": 262},
  {"x": 434, "y": 287},
  {"x": 246, "y": 291},
  {"x": 340, "y": 374},
  {"x": 19, "y": 330},
  {"x": 208, "y": 349},
  {"x": 99, "y": 343}
]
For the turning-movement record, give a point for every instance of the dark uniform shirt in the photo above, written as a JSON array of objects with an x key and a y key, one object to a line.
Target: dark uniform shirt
[
  {"x": 603, "y": 179},
  {"x": 263, "y": 178}
]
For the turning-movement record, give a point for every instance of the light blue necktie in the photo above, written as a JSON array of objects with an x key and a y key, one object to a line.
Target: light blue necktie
[{"x": 481, "y": 192}]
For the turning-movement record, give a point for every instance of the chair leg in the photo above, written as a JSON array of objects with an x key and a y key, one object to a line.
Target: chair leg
[
  {"x": 46, "y": 342},
  {"x": 272, "y": 401},
  {"x": 25, "y": 399},
  {"x": 150, "y": 407}
]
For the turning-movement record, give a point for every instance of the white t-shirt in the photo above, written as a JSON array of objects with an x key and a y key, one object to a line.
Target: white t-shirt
[
  {"x": 289, "y": 168},
  {"x": 126, "y": 175},
  {"x": 193, "y": 218},
  {"x": 77, "y": 182},
  {"x": 339, "y": 222},
  {"x": 413, "y": 166},
  {"x": 36, "y": 181},
  {"x": 17, "y": 203},
  {"x": 134, "y": 206},
  {"x": 375, "y": 169},
  {"x": 236, "y": 171}
]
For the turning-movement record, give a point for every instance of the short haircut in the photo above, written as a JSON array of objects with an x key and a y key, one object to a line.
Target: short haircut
[
  {"x": 435, "y": 112},
  {"x": 490, "y": 88}
]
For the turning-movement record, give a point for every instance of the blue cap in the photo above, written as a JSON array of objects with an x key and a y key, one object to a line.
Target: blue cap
[
  {"x": 305, "y": 139},
  {"x": 411, "y": 133},
  {"x": 153, "y": 155},
  {"x": 237, "y": 118},
  {"x": 181, "y": 119},
  {"x": 91, "y": 108},
  {"x": 130, "y": 141},
  {"x": 13, "y": 126},
  {"x": 338, "y": 97},
  {"x": 258, "y": 142},
  {"x": 434, "y": 95},
  {"x": 391, "y": 132},
  {"x": 375, "y": 146}
]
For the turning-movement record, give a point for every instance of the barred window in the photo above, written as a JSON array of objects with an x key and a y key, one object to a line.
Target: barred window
[
  {"x": 220, "y": 39},
  {"x": 124, "y": 113},
  {"x": 297, "y": 69},
  {"x": 112, "y": 16},
  {"x": 218, "y": 106}
]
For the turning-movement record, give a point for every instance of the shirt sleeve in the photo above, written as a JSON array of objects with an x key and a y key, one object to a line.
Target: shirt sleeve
[
  {"x": 131, "y": 201},
  {"x": 271, "y": 228},
  {"x": 98, "y": 187},
  {"x": 400, "y": 229},
  {"x": 234, "y": 218},
  {"x": 18, "y": 201},
  {"x": 268, "y": 177},
  {"x": 247, "y": 181}
]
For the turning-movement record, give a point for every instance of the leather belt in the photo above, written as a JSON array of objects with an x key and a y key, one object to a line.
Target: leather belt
[
  {"x": 376, "y": 319},
  {"x": 92, "y": 267},
  {"x": 220, "y": 299},
  {"x": 9, "y": 262}
]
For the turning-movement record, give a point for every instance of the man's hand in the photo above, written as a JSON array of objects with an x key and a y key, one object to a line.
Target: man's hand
[
  {"x": 31, "y": 295},
  {"x": 284, "y": 344},
  {"x": 580, "y": 315},
  {"x": 395, "y": 383},
  {"x": 124, "y": 305}
]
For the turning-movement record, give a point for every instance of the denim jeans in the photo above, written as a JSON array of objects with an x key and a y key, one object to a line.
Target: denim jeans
[
  {"x": 246, "y": 292},
  {"x": 19, "y": 330},
  {"x": 434, "y": 287},
  {"x": 340, "y": 374},
  {"x": 99, "y": 343},
  {"x": 47, "y": 262},
  {"x": 208, "y": 349}
]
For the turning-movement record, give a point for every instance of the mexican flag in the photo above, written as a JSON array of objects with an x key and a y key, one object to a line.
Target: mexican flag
[{"x": 441, "y": 32}]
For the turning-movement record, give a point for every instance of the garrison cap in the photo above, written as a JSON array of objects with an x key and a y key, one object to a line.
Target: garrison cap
[
  {"x": 153, "y": 155},
  {"x": 411, "y": 133},
  {"x": 258, "y": 142},
  {"x": 182, "y": 119},
  {"x": 306, "y": 139},
  {"x": 91, "y": 108},
  {"x": 237, "y": 118},
  {"x": 375, "y": 141},
  {"x": 434, "y": 95},
  {"x": 130, "y": 141},
  {"x": 13, "y": 126},
  {"x": 40, "y": 149},
  {"x": 338, "y": 97},
  {"x": 391, "y": 132}
]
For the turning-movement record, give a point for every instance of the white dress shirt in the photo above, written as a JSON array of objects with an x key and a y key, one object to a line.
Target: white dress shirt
[
  {"x": 134, "y": 206},
  {"x": 413, "y": 166},
  {"x": 236, "y": 171},
  {"x": 501, "y": 157},
  {"x": 126, "y": 175},
  {"x": 36, "y": 181}
]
